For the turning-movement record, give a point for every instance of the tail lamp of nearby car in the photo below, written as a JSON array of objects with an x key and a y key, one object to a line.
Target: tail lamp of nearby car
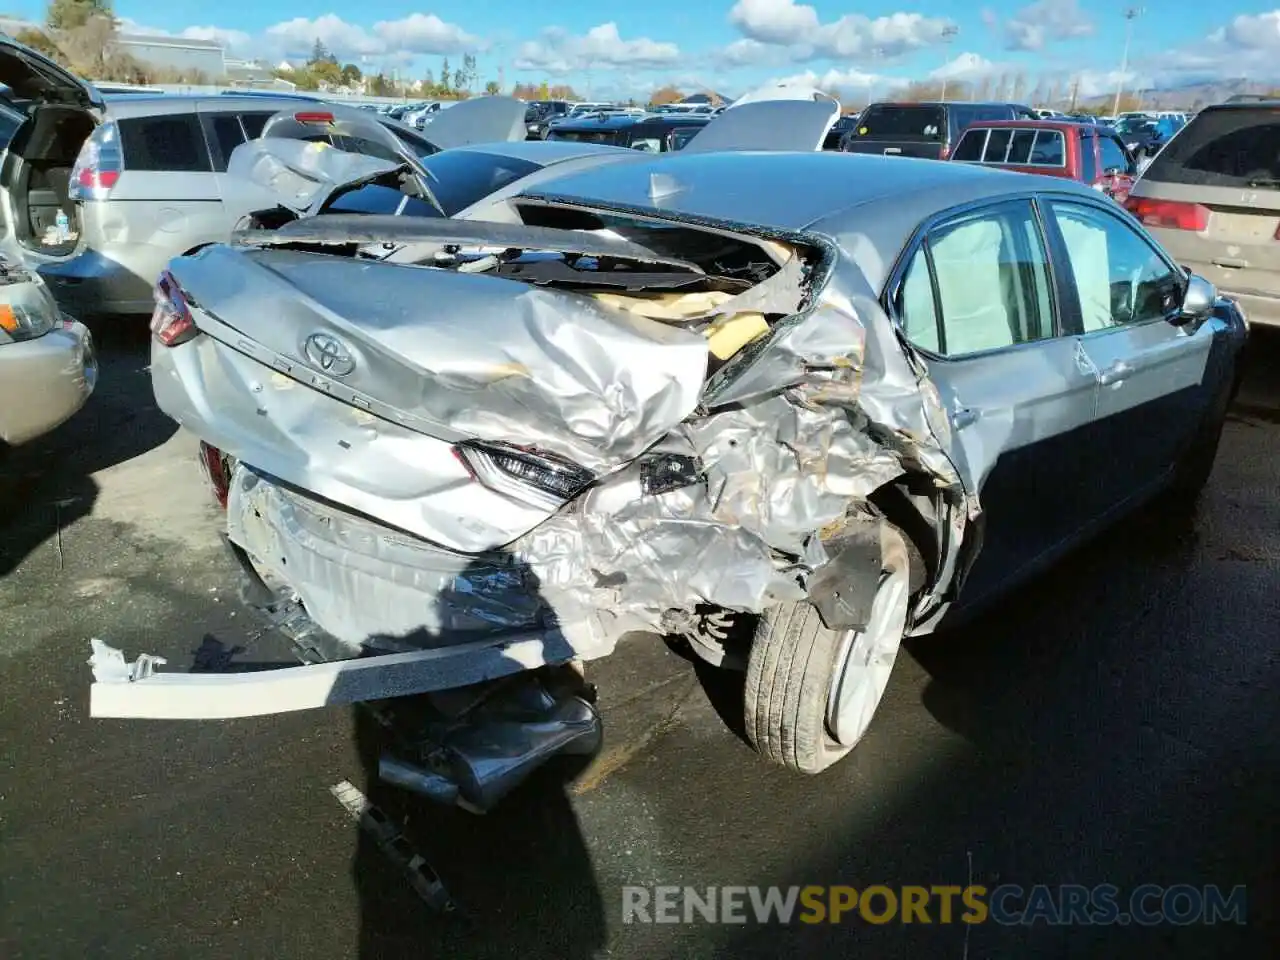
[
  {"x": 1172, "y": 214},
  {"x": 171, "y": 321},
  {"x": 99, "y": 165}
]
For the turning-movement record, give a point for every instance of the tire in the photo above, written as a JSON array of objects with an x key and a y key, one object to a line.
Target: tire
[{"x": 811, "y": 692}]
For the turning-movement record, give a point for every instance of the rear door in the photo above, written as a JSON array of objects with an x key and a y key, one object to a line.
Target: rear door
[
  {"x": 1151, "y": 373},
  {"x": 901, "y": 130},
  {"x": 977, "y": 299},
  {"x": 1226, "y": 163}
]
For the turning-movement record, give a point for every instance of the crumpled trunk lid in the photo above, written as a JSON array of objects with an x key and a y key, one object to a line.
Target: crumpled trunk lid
[{"x": 356, "y": 380}]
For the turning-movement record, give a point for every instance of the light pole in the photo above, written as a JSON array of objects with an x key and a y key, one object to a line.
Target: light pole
[
  {"x": 948, "y": 34},
  {"x": 1131, "y": 14}
]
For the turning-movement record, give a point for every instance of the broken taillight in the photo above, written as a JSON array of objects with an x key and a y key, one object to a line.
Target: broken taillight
[
  {"x": 1172, "y": 214},
  {"x": 217, "y": 470},
  {"x": 519, "y": 472},
  {"x": 171, "y": 321}
]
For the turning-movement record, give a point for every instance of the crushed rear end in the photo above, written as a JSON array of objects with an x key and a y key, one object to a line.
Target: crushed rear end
[{"x": 453, "y": 452}]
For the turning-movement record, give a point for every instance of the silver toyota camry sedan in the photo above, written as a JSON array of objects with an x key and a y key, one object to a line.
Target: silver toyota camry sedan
[{"x": 791, "y": 406}]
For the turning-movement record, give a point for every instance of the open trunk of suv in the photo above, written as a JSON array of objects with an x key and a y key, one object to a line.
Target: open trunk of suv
[{"x": 61, "y": 112}]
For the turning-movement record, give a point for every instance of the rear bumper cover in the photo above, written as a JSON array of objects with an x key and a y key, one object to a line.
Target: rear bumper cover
[{"x": 56, "y": 373}]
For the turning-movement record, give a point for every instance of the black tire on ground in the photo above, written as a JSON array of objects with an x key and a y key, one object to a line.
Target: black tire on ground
[{"x": 790, "y": 672}]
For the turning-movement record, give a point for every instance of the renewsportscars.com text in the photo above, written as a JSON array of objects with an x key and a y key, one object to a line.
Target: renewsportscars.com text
[{"x": 1008, "y": 904}]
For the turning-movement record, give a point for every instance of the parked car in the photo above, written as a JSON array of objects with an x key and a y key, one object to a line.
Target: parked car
[
  {"x": 101, "y": 193},
  {"x": 1142, "y": 136},
  {"x": 841, "y": 129},
  {"x": 540, "y": 113},
  {"x": 813, "y": 419},
  {"x": 1212, "y": 198},
  {"x": 1056, "y": 148},
  {"x": 929, "y": 130},
  {"x": 47, "y": 362},
  {"x": 656, "y": 133}
]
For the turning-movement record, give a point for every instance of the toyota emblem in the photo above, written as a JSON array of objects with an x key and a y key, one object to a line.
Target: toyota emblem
[{"x": 328, "y": 353}]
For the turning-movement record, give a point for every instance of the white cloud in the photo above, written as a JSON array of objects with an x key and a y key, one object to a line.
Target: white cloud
[
  {"x": 745, "y": 52},
  {"x": 1252, "y": 32},
  {"x": 424, "y": 33},
  {"x": 781, "y": 22},
  {"x": 343, "y": 39},
  {"x": 967, "y": 66},
  {"x": 231, "y": 39},
  {"x": 785, "y": 23},
  {"x": 558, "y": 51},
  {"x": 1045, "y": 21},
  {"x": 839, "y": 80}
]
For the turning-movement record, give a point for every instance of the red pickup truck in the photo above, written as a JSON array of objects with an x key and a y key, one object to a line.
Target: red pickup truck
[{"x": 1093, "y": 155}]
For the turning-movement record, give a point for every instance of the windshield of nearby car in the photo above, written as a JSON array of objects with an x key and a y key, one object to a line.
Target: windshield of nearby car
[
  {"x": 1135, "y": 125},
  {"x": 610, "y": 137},
  {"x": 1229, "y": 148},
  {"x": 892, "y": 121}
]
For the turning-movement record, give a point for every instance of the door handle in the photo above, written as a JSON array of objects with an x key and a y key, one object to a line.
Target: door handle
[
  {"x": 1231, "y": 263},
  {"x": 963, "y": 417},
  {"x": 1116, "y": 373}
]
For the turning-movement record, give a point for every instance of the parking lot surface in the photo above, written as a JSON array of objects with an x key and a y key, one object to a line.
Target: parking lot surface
[{"x": 1117, "y": 722}]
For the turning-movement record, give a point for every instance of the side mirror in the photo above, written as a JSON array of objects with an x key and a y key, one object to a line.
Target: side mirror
[{"x": 1197, "y": 300}]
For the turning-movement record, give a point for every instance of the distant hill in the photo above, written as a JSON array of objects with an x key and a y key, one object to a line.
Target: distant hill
[{"x": 1190, "y": 95}]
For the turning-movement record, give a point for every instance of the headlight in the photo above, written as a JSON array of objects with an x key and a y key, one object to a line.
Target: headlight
[{"x": 26, "y": 322}]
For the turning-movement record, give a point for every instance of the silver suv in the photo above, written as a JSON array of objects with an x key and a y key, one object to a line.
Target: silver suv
[{"x": 101, "y": 193}]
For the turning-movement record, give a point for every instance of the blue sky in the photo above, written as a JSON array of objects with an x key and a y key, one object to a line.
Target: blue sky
[{"x": 616, "y": 47}]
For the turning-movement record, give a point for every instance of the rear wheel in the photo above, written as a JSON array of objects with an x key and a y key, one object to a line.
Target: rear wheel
[{"x": 811, "y": 691}]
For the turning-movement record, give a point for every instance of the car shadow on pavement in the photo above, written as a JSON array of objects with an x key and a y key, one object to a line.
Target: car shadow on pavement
[
  {"x": 1105, "y": 729},
  {"x": 520, "y": 877},
  {"x": 47, "y": 484}
]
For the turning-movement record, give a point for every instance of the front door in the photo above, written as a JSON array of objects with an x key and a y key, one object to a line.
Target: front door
[{"x": 1151, "y": 372}]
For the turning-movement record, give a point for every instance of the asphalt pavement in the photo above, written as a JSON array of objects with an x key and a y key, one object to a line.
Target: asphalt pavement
[{"x": 1116, "y": 722}]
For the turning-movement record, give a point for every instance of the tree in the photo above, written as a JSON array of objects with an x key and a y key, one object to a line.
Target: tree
[
  {"x": 469, "y": 72},
  {"x": 326, "y": 72},
  {"x": 39, "y": 41},
  {"x": 667, "y": 94},
  {"x": 351, "y": 74},
  {"x": 445, "y": 76},
  {"x": 459, "y": 80},
  {"x": 492, "y": 88},
  {"x": 380, "y": 86},
  {"x": 71, "y": 14},
  {"x": 320, "y": 54}
]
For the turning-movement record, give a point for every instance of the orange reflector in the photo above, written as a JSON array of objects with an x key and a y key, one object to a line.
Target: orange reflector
[{"x": 8, "y": 321}]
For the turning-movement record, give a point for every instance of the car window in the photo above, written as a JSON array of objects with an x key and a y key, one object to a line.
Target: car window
[
  {"x": 992, "y": 282},
  {"x": 682, "y": 135},
  {"x": 224, "y": 134},
  {"x": 969, "y": 149},
  {"x": 647, "y": 144},
  {"x": 9, "y": 124},
  {"x": 1120, "y": 277},
  {"x": 1088, "y": 163},
  {"x": 461, "y": 177},
  {"x": 1231, "y": 147},
  {"x": 997, "y": 146},
  {"x": 172, "y": 142},
  {"x": 1113, "y": 155},
  {"x": 1020, "y": 146},
  {"x": 254, "y": 122},
  {"x": 1050, "y": 150},
  {"x": 892, "y": 121}
]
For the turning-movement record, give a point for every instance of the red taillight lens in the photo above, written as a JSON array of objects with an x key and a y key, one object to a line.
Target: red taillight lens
[
  {"x": 171, "y": 321},
  {"x": 946, "y": 152},
  {"x": 215, "y": 466},
  {"x": 91, "y": 178},
  {"x": 313, "y": 117},
  {"x": 1168, "y": 213}
]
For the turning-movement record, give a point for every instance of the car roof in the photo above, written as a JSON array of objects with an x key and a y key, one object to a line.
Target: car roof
[
  {"x": 880, "y": 200},
  {"x": 544, "y": 152},
  {"x": 1041, "y": 124},
  {"x": 162, "y": 104}
]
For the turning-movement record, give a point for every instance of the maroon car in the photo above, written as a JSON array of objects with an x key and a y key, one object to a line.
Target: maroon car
[{"x": 1055, "y": 148}]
